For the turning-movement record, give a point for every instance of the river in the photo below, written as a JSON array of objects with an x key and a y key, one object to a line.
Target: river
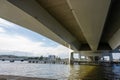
[{"x": 59, "y": 71}]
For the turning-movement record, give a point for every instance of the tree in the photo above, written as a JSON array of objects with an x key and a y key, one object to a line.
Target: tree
[{"x": 41, "y": 58}]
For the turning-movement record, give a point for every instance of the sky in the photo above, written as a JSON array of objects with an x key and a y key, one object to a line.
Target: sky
[{"x": 16, "y": 40}]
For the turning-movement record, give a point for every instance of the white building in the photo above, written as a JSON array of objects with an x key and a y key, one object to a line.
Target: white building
[{"x": 52, "y": 57}]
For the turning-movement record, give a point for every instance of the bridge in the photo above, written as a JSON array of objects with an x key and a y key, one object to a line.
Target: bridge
[
  {"x": 11, "y": 59},
  {"x": 85, "y": 26}
]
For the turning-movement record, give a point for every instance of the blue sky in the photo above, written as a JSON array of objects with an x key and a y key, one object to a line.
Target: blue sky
[{"x": 15, "y": 39}]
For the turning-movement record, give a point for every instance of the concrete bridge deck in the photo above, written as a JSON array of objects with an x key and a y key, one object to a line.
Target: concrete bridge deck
[{"x": 83, "y": 25}]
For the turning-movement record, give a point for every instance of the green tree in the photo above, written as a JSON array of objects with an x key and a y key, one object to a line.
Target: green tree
[{"x": 41, "y": 58}]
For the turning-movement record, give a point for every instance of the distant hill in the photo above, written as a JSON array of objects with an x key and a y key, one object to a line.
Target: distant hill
[
  {"x": 10, "y": 56},
  {"x": 14, "y": 53}
]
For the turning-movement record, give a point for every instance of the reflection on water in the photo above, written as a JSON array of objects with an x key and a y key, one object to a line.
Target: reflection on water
[
  {"x": 86, "y": 72},
  {"x": 112, "y": 72},
  {"x": 61, "y": 72}
]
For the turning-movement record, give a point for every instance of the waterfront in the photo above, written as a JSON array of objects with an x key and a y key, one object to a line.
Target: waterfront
[{"x": 60, "y": 71}]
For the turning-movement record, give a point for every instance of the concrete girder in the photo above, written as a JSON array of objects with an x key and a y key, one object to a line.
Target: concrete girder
[
  {"x": 90, "y": 53},
  {"x": 35, "y": 18},
  {"x": 91, "y": 16},
  {"x": 94, "y": 53},
  {"x": 114, "y": 42},
  {"x": 17, "y": 16}
]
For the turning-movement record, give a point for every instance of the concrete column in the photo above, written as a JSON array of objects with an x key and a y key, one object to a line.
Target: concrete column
[
  {"x": 85, "y": 57},
  {"x": 79, "y": 56},
  {"x": 108, "y": 54},
  {"x": 111, "y": 57},
  {"x": 96, "y": 58},
  {"x": 93, "y": 58},
  {"x": 90, "y": 58},
  {"x": 103, "y": 54},
  {"x": 71, "y": 59}
]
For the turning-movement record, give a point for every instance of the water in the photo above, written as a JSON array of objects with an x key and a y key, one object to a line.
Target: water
[{"x": 60, "y": 72}]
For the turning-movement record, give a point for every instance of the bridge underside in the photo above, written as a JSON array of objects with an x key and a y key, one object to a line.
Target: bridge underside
[{"x": 91, "y": 25}]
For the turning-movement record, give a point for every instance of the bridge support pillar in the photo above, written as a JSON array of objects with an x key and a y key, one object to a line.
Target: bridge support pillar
[
  {"x": 79, "y": 56},
  {"x": 94, "y": 58},
  {"x": 107, "y": 54},
  {"x": 85, "y": 57},
  {"x": 71, "y": 59},
  {"x": 91, "y": 58},
  {"x": 111, "y": 57}
]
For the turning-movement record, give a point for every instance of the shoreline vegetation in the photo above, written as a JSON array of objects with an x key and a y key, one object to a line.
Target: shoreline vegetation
[
  {"x": 44, "y": 60},
  {"x": 12, "y": 77}
]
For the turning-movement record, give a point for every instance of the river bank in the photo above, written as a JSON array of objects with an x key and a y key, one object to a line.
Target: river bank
[{"x": 10, "y": 77}]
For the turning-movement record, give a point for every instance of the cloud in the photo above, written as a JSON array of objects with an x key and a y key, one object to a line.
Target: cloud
[
  {"x": 23, "y": 44},
  {"x": 18, "y": 43},
  {"x": 2, "y": 30}
]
